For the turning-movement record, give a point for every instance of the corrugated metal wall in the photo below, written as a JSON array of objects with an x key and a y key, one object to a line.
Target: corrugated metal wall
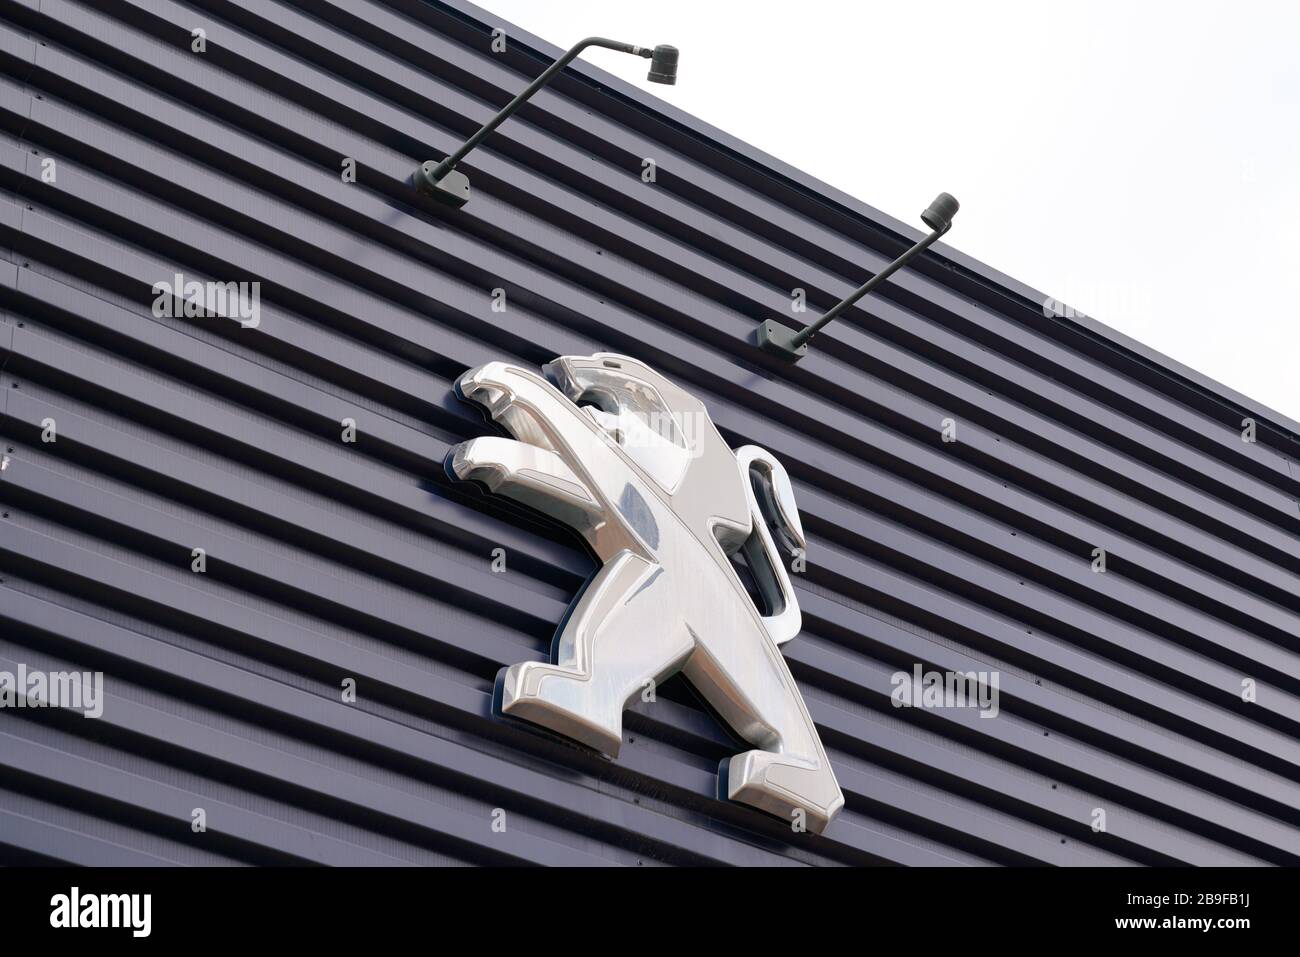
[{"x": 327, "y": 560}]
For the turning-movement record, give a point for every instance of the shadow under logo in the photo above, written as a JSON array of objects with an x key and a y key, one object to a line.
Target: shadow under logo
[{"x": 632, "y": 462}]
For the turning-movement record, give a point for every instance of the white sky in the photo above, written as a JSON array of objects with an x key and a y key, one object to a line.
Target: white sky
[{"x": 1137, "y": 160}]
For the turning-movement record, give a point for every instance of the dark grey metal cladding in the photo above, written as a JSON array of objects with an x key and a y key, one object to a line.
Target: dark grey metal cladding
[{"x": 1119, "y": 691}]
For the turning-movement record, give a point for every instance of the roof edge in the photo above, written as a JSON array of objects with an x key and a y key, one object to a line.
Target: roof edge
[{"x": 851, "y": 206}]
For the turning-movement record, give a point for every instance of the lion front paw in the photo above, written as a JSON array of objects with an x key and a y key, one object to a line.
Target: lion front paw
[{"x": 535, "y": 477}]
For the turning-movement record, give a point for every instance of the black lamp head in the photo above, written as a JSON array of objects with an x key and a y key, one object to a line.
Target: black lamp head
[
  {"x": 938, "y": 215},
  {"x": 663, "y": 65}
]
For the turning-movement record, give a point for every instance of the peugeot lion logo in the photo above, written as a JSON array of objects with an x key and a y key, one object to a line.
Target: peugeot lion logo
[{"x": 633, "y": 463}]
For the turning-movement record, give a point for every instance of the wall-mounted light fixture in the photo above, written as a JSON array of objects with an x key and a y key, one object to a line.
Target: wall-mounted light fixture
[
  {"x": 792, "y": 345},
  {"x": 444, "y": 182}
]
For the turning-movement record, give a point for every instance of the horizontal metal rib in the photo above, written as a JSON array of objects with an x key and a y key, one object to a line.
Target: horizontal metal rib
[{"x": 1119, "y": 691}]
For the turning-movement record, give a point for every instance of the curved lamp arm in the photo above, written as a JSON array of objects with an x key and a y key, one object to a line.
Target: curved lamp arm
[
  {"x": 792, "y": 345},
  {"x": 441, "y": 180}
]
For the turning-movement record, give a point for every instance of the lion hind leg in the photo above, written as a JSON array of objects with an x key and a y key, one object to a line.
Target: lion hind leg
[
  {"x": 616, "y": 639},
  {"x": 785, "y": 786},
  {"x": 744, "y": 676}
]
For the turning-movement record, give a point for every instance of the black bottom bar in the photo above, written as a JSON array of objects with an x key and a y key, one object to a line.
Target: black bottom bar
[{"x": 444, "y": 906}]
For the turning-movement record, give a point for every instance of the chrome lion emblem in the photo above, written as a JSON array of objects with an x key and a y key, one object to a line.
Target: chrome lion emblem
[{"x": 632, "y": 462}]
